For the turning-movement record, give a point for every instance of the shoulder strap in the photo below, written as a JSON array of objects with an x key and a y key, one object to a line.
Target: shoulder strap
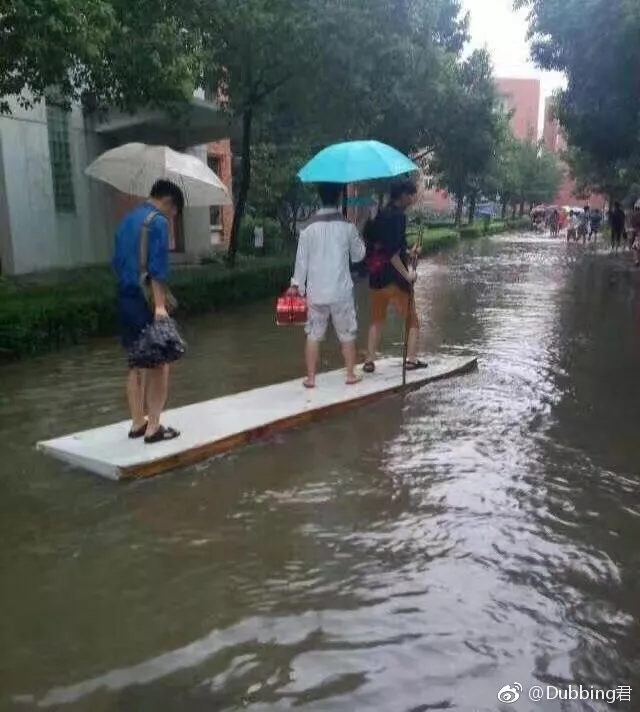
[{"x": 144, "y": 242}]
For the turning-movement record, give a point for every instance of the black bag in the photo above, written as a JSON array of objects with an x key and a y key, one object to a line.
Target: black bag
[
  {"x": 375, "y": 261},
  {"x": 159, "y": 343}
]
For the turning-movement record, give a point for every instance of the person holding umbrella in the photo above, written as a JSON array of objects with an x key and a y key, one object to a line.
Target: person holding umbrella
[
  {"x": 391, "y": 277},
  {"x": 147, "y": 389},
  {"x": 322, "y": 272},
  {"x": 168, "y": 180}
]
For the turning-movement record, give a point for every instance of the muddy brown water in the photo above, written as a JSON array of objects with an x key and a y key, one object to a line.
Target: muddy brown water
[{"x": 417, "y": 555}]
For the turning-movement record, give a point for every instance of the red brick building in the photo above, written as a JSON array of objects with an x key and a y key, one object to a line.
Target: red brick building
[
  {"x": 522, "y": 97},
  {"x": 219, "y": 158}
]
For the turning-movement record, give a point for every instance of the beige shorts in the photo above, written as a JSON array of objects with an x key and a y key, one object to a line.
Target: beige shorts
[{"x": 342, "y": 315}]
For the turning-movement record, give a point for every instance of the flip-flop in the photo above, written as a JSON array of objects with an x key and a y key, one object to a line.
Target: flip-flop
[
  {"x": 308, "y": 385},
  {"x": 369, "y": 367},
  {"x": 139, "y": 433},
  {"x": 162, "y": 434},
  {"x": 416, "y": 365}
]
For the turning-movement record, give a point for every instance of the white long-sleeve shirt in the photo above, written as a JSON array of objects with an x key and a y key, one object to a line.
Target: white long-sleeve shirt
[{"x": 322, "y": 262}]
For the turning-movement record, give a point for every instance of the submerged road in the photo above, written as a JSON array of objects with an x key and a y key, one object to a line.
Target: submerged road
[{"x": 421, "y": 554}]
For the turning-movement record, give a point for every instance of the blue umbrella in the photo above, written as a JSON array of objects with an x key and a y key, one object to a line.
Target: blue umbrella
[{"x": 356, "y": 161}]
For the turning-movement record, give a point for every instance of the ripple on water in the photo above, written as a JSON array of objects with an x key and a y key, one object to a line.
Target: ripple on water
[{"x": 413, "y": 556}]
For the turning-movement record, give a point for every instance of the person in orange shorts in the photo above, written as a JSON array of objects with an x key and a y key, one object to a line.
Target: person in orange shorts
[{"x": 390, "y": 277}]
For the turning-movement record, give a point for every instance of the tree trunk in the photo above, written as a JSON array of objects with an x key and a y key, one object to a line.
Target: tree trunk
[
  {"x": 459, "y": 209},
  {"x": 505, "y": 205},
  {"x": 522, "y": 208},
  {"x": 295, "y": 195},
  {"x": 245, "y": 182},
  {"x": 472, "y": 208},
  {"x": 514, "y": 211}
]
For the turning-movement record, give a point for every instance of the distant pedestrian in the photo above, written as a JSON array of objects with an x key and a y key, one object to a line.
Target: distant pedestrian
[
  {"x": 572, "y": 226},
  {"x": 147, "y": 389},
  {"x": 390, "y": 277},
  {"x": 325, "y": 249},
  {"x": 596, "y": 222},
  {"x": 583, "y": 224},
  {"x": 617, "y": 221}
]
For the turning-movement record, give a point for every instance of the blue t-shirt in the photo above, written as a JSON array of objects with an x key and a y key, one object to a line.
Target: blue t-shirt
[{"x": 126, "y": 257}]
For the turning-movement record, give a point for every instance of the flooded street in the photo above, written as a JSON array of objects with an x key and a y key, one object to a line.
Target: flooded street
[{"x": 417, "y": 555}]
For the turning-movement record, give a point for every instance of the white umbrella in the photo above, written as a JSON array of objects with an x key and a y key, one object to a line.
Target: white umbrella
[{"x": 135, "y": 167}]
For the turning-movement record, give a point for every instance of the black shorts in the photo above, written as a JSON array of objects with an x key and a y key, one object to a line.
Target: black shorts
[
  {"x": 616, "y": 236},
  {"x": 134, "y": 314}
]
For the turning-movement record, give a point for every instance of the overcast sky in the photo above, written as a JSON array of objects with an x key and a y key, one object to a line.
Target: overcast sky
[{"x": 502, "y": 31}]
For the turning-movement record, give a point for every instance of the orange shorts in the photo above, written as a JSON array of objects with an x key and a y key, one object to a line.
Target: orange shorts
[{"x": 381, "y": 299}]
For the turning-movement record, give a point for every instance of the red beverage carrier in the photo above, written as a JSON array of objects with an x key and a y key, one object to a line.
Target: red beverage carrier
[{"x": 291, "y": 310}]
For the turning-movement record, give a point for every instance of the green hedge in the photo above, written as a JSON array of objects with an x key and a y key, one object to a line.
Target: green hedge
[
  {"x": 437, "y": 239},
  {"x": 41, "y": 317},
  {"x": 430, "y": 223}
]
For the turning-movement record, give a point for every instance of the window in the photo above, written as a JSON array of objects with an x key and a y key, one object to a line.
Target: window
[
  {"x": 214, "y": 211},
  {"x": 60, "y": 155}
]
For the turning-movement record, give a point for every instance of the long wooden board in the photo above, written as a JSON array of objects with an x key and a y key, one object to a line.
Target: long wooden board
[{"x": 222, "y": 424}]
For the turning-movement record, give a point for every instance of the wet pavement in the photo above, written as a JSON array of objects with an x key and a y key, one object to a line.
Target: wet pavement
[{"x": 420, "y": 554}]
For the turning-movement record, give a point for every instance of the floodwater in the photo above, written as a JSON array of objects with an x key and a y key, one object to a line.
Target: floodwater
[{"x": 417, "y": 555}]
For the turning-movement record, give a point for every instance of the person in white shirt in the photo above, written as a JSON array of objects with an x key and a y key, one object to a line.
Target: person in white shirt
[
  {"x": 322, "y": 273},
  {"x": 572, "y": 227}
]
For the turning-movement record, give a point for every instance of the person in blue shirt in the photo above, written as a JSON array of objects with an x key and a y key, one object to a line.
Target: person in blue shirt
[{"x": 149, "y": 386}]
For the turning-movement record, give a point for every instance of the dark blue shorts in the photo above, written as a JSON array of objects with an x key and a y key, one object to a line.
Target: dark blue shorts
[{"x": 133, "y": 315}]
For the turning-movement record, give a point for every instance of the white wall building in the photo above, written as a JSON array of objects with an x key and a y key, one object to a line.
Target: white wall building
[{"x": 51, "y": 215}]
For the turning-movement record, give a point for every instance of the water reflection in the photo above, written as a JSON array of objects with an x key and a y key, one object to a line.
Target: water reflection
[{"x": 417, "y": 555}]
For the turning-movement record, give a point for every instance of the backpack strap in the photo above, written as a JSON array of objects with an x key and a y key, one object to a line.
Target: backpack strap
[{"x": 144, "y": 245}]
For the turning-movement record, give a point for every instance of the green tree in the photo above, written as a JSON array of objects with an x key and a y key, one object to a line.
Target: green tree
[
  {"x": 332, "y": 70},
  {"x": 596, "y": 45},
  {"x": 548, "y": 178},
  {"x": 256, "y": 49},
  {"x": 468, "y": 131},
  {"x": 275, "y": 190},
  {"x": 540, "y": 174},
  {"x": 502, "y": 177},
  {"x": 122, "y": 53}
]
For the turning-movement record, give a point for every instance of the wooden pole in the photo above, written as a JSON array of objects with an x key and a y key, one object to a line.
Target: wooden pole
[{"x": 407, "y": 323}]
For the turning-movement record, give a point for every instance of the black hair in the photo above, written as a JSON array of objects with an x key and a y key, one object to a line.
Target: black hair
[
  {"x": 166, "y": 189},
  {"x": 402, "y": 188},
  {"x": 616, "y": 204},
  {"x": 330, "y": 194}
]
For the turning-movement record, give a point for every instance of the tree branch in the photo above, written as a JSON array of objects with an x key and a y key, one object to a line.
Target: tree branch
[{"x": 259, "y": 94}]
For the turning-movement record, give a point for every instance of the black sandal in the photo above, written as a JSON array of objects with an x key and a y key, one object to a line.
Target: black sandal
[
  {"x": 416, "y": 365},
  {"x": 162, "y": 434},
  {"x": 369, "y": 367},
  {"x": 139, "y": 433}
]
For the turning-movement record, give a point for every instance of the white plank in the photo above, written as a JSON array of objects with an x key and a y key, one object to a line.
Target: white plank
[{"x": 108, "y": 452}]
